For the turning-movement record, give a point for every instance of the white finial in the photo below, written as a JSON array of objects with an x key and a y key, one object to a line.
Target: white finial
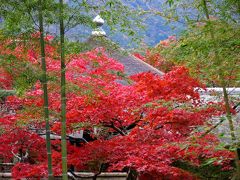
[
  {"x": 98, "y": 20},
  {"x": 98, "y": 31}
]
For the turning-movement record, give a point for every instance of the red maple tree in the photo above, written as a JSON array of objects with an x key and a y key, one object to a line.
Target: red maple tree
[{"x": 145, "y": 126}]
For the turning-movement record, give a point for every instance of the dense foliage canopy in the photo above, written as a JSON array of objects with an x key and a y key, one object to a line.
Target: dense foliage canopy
[{"x": 148, "y": 126}]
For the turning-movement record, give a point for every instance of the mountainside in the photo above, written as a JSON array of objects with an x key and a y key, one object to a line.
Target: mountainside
[{"x": 156, "y": 27}]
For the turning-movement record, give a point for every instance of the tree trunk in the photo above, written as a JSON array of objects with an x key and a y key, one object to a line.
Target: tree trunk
[
  {"x": 228, "y": 113},
  {"x": 45, "y": 92},
  {"x": 63, "y": 95}
]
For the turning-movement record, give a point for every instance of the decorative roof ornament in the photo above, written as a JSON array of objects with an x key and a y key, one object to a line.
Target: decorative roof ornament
[{"x": 98, "y": 31}]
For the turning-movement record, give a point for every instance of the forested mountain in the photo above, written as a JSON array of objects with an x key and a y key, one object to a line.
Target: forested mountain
[{"x": 156, "y": 27}]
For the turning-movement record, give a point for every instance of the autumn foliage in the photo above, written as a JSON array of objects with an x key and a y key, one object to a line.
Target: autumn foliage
[
  {"x": 156, "y": 60},
  {"x": 145, "y": 126}
]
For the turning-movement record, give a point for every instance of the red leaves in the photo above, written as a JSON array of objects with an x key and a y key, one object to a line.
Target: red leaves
[
  {"x": 139, "y": 56},
  {"x": 6, "y": 121},
  {"x": 156, "y": 60},
  {"x": 15, "y": 140},
  {"x": 145, "y": 126},
  {"x": 25, "y": 170},
  {"x": 175, "y": 85},
  {"x": 198, "y": 149},
  {"x": 5, "y": 79}
]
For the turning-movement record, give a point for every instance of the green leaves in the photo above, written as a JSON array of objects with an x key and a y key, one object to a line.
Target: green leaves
[
  {"x": 209, "y": 161},
  {"x": 170, "y": 2},
  {"x": 197, "y": 49}
]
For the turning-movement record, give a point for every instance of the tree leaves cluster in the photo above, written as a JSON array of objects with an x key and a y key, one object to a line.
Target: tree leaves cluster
[{"x": 196, "y": 49}]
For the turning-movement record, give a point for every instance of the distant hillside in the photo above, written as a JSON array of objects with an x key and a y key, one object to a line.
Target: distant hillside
[{"x": 157, "y": 27}]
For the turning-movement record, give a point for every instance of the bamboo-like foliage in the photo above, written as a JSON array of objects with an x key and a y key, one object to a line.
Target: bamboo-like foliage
[
  {"x": 223, "y": 84},
  {"x": 63, "y": 95},
  {"x": 222, "y": 81},
  {"x": 45, "y": 94},
  {"x": 210, "y": 49}
]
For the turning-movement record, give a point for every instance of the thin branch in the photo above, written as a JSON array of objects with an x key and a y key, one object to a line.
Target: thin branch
[
  {"x": 16, "y": 156},
  {"x": 68, "y": 22},
  {"x": 235, "y": 106},
  {"x": 213, "y": 127},
  {"x": 119, "y": 121},
  {"x": 115, "y": 128},
  {"x": 134, "y": 124},
  {"x": 118, "y": 130},
  {"x": 29, "y": 13}
]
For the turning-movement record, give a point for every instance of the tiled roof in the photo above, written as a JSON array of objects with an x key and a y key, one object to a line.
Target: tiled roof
[{"x": 132, "y": 64}]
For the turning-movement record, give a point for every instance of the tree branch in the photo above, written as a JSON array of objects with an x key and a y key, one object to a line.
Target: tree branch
[
  {"x": 115, "y": 128},
  {"x": 134, "y": 124},
  {"x": 213, "y": 127}
]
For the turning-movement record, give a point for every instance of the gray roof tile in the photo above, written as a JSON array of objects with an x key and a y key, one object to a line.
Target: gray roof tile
[{"x": 132, "y": 64}]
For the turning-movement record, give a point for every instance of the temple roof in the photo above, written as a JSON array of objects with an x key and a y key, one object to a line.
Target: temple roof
[{"x": 132, "y": 64}]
